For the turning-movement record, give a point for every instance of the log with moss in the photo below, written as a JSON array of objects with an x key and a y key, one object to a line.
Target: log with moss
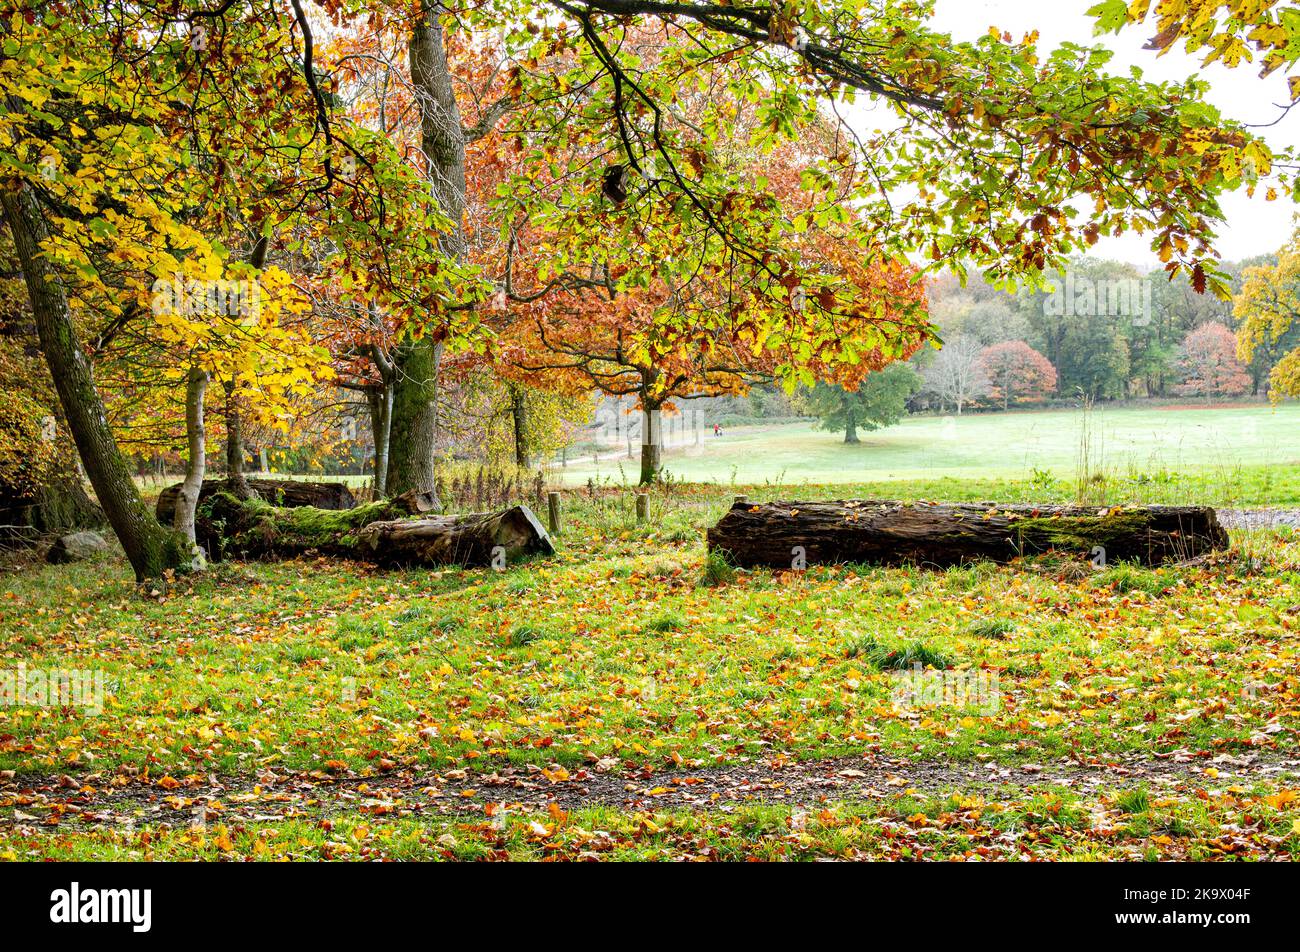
[
  {"x": 285, "y": 493},
  {"x": 788, "y": 534},
  {"x": 395, "y": 532}
]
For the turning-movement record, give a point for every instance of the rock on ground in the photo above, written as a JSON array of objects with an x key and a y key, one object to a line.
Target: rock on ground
[{"x": 76, "y": 546}]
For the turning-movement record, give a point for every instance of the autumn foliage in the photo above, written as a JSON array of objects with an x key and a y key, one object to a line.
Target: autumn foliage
[
  {"x": 1209, "y": 364},
  {"x": 1016, "y": 372}
]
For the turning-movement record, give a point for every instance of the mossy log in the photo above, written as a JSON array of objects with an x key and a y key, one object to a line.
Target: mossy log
[
  {"x": 393, "y": 532},
  {"x": 788, "y": 534},
  {"x": 286, "y": 493}
]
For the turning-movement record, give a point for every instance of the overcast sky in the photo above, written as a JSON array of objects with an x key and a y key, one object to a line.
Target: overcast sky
[{"x": 1253, "y": 226}]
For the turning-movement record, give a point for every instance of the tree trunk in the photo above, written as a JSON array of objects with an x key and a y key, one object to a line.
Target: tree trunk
[
  {"x": 381, "y": 422},
  {"x": 850, "y": 420},
  {"x": 519, "y": 417},
  {"x": 150, "y": 548},
  {"x": 196, "y": 463},
  {"x": 414, "y": 421},
  {"x": 414, "y": 433},
  {"x": 284, "y": 493},
  {"x": 651, "y": 443},
  {"x": 377, "y": 532},
  {"x": 775, "y": 534},
  {"x": 235, "y": 476}
]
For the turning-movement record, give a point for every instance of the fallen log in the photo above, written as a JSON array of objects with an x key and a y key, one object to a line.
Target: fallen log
[
  {"x": 781, "y": 534},
  {"x": 286, "y": 493},
  {"x": 384, "y": 533}
]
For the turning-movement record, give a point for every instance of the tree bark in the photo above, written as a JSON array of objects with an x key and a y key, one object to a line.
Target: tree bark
[
  {"x": 519, "y": 418},
  {"x": 414, "y": 434},
  {"x": 850, "y": 420},
  {"x": 196, "y": 463},
  {"x": 377, "y": 532},
  {"x": 774, "y": 534},
  {"x": 150, "y": 548},
  {"x": 381, "y": 421},
  {"x": 651, "y": 443},
  {"x": 235, "y": 475}
]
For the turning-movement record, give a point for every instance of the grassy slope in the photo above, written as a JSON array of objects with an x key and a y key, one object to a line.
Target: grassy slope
[{"x": 613, "y": 650}]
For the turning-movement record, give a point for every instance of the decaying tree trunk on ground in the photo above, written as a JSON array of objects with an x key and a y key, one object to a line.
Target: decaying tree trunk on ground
[
  {"x": 379, "y": 532},
  {"x": 786, "y": 534},
  {"x": 286, "y": 493}
]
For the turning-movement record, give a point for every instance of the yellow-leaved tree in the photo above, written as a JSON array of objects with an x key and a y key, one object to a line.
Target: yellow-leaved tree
[{"x": 1267, "y": 308}]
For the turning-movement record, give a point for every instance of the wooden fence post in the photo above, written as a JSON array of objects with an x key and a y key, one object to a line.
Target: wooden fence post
[{"x": 553, "y": 511}]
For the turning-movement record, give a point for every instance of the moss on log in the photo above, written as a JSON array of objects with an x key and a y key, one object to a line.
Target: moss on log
[
  {"x": 786, "y": 534},
  {"x": 278, "y": 492},
  {"x": 391, "y": 533}
]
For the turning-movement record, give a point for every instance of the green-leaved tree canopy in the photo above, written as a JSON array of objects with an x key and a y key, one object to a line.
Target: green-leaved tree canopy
[{"x": 879, "y": 400}]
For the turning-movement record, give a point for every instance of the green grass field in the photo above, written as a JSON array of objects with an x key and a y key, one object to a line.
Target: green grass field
[
  {"x": 618, "y": 701},
  {"x": 628, "y": 698},
  {"x": 983, "y": 446}
]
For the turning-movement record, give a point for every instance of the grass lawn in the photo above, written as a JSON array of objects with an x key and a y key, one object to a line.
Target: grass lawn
[
  {"x": 606, "y": 704},
  {"x": 1151, "y": 442}
]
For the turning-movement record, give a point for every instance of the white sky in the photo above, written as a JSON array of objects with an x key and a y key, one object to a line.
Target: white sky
[{"x": 1252, "y": 226}]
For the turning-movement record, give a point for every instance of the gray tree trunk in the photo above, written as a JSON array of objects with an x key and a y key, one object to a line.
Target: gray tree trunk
[
  {"x": 652, "y": 445},
  {"x": 196, "y": 463}
]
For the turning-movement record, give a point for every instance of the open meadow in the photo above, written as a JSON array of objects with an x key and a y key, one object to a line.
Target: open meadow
[{"x": 1127, "y": 443}]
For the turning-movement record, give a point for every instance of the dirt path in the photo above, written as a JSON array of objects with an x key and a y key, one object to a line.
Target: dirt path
[
  {"x": 97, "y": 801},
  {"x": 1259, "y": 518}
]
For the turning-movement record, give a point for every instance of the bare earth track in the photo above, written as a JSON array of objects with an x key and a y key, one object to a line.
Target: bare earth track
[{"x": 97, "y": 801}]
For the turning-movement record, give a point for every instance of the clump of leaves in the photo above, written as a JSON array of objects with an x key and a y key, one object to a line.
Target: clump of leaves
[
  {"x": 664, "y": 569},
  {"x": 521, "y": 584},
  {"x": 787, "y": 652},
  {"x": 666, "y": 622},
  {"x": 1126, "y": 577},
  {"x": 1136, "y": 800},
  {"x": 525, "y": 635},
  {"x": 969, "y": 576},
  {"x": 352, "y": 632},
  {"x": 717, "y": 570},
  {"x": 680, "y": 534},
  {"x": 449, "y": 622},
  {"x": 887, "y": 657},
  {"x": 995, "y": 628}
]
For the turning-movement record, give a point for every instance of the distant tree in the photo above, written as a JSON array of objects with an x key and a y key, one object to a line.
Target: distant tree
[
  {"x": 878, "y": 401},
  {"x": 1017, "y": 372},
  {"x": 1209, "y": 364},
  {"x": 1266, "y": 309},
  {"x": 955, "y": 375}
]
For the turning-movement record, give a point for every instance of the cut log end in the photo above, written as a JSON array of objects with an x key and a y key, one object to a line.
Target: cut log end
[{"x": 790, "y": 534}]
